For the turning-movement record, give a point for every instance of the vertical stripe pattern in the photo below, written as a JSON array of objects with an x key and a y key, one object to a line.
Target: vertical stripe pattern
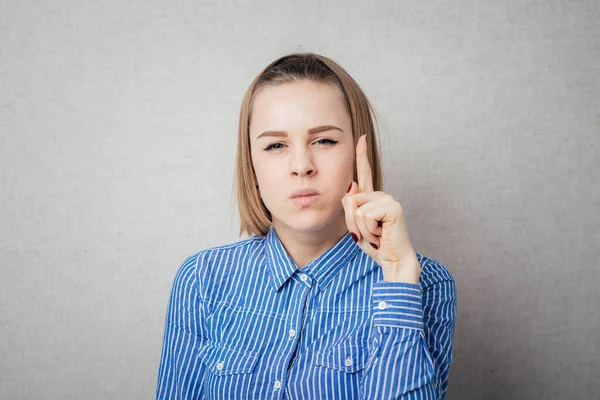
[{"x": 243, "y": 322}]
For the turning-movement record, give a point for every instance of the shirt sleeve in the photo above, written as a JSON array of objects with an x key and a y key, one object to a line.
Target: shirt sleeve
[
  {"x": 411, "y": 339},
  {"x": 180, "y": 371}
]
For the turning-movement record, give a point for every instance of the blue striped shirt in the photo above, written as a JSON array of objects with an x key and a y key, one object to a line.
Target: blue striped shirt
[{"x": 244, "y": 322}]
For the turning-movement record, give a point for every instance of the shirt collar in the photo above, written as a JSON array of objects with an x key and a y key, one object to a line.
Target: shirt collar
[{"x": 322, "y": 269}]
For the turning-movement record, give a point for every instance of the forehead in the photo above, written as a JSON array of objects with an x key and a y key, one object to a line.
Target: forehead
[{"x": 296, "y": 107}]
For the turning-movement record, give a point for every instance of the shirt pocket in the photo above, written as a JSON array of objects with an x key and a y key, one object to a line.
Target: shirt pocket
[
  {"x": 221, "y": 360},
  {"x": 349, "y": 357}
]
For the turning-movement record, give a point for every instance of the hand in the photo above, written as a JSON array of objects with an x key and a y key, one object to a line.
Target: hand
[{"x": 376, "y": 222}]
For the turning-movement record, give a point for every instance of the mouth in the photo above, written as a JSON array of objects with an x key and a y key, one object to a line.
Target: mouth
[
  {"x": 305, "y": 201},
  {"x": 305, "y": 197}
]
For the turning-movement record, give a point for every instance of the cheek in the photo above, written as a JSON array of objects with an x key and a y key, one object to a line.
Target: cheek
[
  {"x": 343, "y": 165},
  {"x": 266, "y": 171}
]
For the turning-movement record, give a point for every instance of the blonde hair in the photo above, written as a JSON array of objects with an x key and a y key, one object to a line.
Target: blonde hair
[{"x": 255, "y": 218}]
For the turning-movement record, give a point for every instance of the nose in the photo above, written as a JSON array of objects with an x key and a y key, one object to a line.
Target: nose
[{"x": 302, "y": 164}]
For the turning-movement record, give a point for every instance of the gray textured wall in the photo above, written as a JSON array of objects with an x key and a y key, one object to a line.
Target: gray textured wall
[{"x": 117, "y": 141}]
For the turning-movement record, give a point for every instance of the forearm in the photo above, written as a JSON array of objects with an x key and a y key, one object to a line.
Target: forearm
[{"x": 403, "y": 364}]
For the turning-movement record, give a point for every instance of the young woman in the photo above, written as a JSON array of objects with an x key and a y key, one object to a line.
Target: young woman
[{"x": 327, "y": 299}]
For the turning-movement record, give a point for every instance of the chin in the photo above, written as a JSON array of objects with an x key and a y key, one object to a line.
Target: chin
[
  {"x": 308, "y": 226},
  {"x": 308, "y": 221}
]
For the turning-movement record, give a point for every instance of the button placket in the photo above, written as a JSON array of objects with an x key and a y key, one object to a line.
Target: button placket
[{"x": 296, "y": 334}]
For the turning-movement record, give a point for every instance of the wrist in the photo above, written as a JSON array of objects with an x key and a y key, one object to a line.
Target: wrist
[{"x": 408, "y": 272}]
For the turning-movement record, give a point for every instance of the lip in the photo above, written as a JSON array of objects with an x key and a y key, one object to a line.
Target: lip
[
  {"x": 305, "y": 192},
  {"x": 305, "y": 197},
  {"x": 305, "y": 201}
]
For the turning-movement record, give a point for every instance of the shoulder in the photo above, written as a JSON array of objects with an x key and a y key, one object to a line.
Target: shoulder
[
  {"x": 203, "y": 263},
  {"x": 226, "y": 253},
  {"x": 433, "y": 272}
]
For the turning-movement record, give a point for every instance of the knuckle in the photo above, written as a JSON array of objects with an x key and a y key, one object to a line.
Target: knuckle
[
  {"x": 347, "y": 201},
  {"x": 399, "y": 207}
]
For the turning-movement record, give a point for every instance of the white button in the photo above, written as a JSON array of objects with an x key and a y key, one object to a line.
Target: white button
[
  {"x": 348, "y": 362},
  {"x": 303, "y": 277},
  {"x": 292, "y": 333},
  {"x": 220, "y": 366},
  {"x": 277, "y": 384},
  {"x": 382, "y": 305}
]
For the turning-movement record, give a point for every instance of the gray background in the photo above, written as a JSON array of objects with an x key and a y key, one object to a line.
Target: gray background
[{"x": 117, "y": 141}]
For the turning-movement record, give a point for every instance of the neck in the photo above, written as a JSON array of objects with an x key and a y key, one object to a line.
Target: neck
[{"x": 306, "y": 246}]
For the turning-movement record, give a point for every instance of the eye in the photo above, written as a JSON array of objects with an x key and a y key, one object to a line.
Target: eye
[
  {"x": 272, "y": 146},
  {"x": 277, "y": 146},
  {"x": 327, "y": 141}
]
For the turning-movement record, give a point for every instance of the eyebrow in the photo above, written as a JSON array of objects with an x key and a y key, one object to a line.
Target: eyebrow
[{"x": 311, "y": 131}]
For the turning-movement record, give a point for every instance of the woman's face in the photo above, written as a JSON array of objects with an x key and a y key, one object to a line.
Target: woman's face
[{"x": 286, "y": 156}]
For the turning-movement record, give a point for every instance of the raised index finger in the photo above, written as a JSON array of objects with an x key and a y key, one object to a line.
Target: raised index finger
[{"x": 363, "y": 168}]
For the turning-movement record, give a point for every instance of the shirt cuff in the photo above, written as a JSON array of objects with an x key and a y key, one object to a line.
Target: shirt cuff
[{"x": 397, "y": 305}]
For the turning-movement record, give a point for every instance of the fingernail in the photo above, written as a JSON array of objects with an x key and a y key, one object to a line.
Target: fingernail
[
  {"x": 349, "y": 187},
  {"x": 354, "y": 236},
  {"x": 374, "y": 246}
]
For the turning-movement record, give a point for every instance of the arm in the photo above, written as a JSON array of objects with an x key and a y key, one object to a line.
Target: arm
[
  {"x": 412, "y": 340},
  {"x": 180, "y": 372}
]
